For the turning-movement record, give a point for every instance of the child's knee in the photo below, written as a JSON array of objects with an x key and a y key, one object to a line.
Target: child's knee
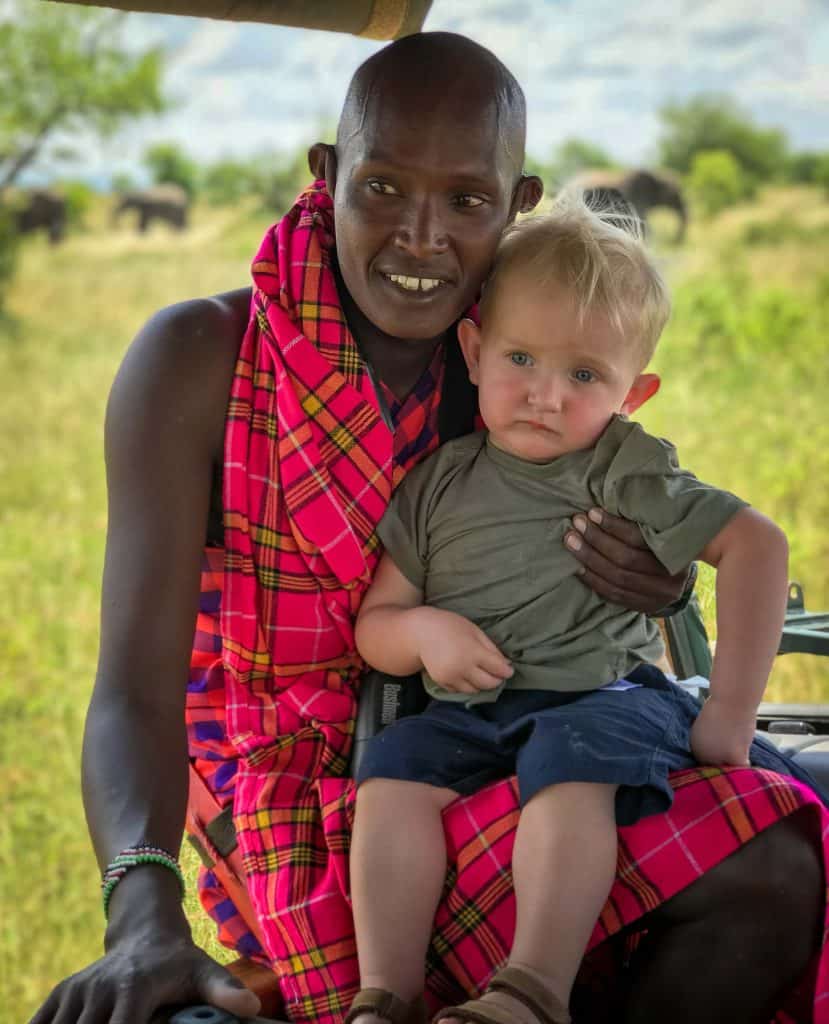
[{"x": 397, "y": 794}]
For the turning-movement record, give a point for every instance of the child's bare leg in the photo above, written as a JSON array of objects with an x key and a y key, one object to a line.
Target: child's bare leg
[
  {"x": 563, "y": 866},
  {"x": 398, "y": 867}
]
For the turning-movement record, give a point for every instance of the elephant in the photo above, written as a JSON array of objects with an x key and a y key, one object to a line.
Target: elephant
[
  {"x": 643, "y": 189},
  {"x": 168, "y": 203},
  {"x": 41, "y": 208}
]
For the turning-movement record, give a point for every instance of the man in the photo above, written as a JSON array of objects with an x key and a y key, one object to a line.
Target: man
[{"x": 425, "y": 174}]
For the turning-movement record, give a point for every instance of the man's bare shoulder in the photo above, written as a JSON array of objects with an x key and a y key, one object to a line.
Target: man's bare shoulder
[
  {"x": 177, "y": 373},
  {"x": 212, "y": 327}
]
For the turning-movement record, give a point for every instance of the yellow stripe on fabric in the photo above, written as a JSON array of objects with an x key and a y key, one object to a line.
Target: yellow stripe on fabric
[
  {"x": 260, "y": 658},
  {"x": 317, "y": 311}
]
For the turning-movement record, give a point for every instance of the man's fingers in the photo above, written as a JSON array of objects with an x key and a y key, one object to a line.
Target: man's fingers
[
  {"x": 593, "y": 546},
  {"x": 70, "y": 1004},
  {"x": 623, "y": 529},
  {"x": 130, "y": 1009},
  {"x": 219, "y": 988},
  {"x": 627, "y": 598}
]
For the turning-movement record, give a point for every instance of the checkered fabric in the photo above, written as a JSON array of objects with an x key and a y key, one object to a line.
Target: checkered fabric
[{"x": 309, "y": 467}]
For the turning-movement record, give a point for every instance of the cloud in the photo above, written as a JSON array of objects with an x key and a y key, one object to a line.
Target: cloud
[{"x": 593, "y": 69}]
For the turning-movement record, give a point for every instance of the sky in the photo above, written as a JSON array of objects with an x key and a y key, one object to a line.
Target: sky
[{"x": 593, "y": 69}]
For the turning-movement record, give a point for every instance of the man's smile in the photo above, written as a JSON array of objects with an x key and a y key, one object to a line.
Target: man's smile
[{"x": 414, "y": 284}]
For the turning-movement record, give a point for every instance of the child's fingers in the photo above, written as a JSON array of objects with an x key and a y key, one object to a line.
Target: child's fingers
[
  {"x": 459, "y": 686},
  {"x": 495, "y": 663},
  {"x": 483, "y": 679},
  {"x": 487, "y": 642}
]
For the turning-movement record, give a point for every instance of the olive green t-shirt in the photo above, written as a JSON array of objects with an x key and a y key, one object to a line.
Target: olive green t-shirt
[{"x": 480, "y": 532}]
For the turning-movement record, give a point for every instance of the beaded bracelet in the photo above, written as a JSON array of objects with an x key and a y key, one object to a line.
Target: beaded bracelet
[{"x": 133, "y": 857}]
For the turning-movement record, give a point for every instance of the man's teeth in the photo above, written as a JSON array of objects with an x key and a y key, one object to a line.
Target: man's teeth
[{"x": 413, "y": 284}]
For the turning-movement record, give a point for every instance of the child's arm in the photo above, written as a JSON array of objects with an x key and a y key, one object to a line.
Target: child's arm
[
  {"x": 751, "y": 557},
  {"x": 397, "y": 633}
]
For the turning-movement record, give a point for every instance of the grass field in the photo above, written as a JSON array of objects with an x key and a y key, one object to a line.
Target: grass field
[{"x": 745, "y": 373}]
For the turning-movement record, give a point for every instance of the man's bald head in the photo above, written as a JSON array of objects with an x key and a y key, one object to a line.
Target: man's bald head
[{"x": 437, "y": 71}]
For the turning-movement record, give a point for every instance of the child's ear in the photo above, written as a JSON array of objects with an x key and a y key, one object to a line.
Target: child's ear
[
  {"x": 644, "y": 387},
  {"x": 469, "y": 336}
]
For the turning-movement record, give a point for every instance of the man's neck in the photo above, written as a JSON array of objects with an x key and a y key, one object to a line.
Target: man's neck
[{"x": 398, "y": 363}]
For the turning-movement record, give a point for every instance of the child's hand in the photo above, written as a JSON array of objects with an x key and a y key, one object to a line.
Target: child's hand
[
  {"x": 458, "y": 655},
  {"x": 722, "y": 734}
]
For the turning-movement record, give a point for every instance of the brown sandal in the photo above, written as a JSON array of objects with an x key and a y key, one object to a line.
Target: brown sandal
[
  {"x": 388, "y": 1006},
  {"x": 521, "y": 985}
]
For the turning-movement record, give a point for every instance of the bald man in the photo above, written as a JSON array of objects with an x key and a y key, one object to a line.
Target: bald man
[{"x": 425, "y": 174}]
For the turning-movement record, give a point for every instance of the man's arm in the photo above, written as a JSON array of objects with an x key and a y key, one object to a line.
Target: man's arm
[
  {"x": 618, "y": 565},
  {"x": 751, "y": 557},
  {"x": 164, "y": 438}
]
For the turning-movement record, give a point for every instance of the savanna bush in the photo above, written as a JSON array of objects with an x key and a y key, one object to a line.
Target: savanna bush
[
  {"x": 716, "y": 181},
  {"x": 745, "y": 377}
]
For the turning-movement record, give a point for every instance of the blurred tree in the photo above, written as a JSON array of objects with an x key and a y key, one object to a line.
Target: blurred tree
[
  {"x": 9, "y": 240},
  {"x": 544, "y": 171},
  {"x": 65, "y": 69},
  {"x": 121, "y": 181},
  {"x": 715, "y": 122},
  {"x": 283, "y": 178},
  {"x": 574, "y": 155},
  {"x": 716, "y": 181},
  {"x": 803, "y": 167},
  {"x": 79, "y": 198},
  {"x": 170, "y": 165},
  {"x": 227, "y": 181},
  {"x": 821, "y": 176}
]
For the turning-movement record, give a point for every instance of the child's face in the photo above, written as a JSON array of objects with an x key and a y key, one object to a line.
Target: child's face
[{"x": 547, "y": 383}]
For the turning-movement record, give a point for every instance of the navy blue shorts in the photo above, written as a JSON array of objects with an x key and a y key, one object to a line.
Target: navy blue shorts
[{"x": 631, "y": 738}]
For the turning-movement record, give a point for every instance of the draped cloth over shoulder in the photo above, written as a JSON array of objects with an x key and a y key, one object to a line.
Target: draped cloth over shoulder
[
  {"x": 374, "y": 19},
  {"x": 309, "y": 469}
]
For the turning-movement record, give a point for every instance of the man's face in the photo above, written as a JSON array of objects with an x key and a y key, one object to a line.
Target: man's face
[
  {"x": 548, "y": 382},
  {"x": 422, "y": 194}
]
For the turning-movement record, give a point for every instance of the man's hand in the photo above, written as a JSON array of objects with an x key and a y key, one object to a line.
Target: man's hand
[
  {"x": 618, "y": 565},
  {"x": 458, "y": 655},
  {"x": 722, "y": 734},
  {"x": 136, "y": 977}
]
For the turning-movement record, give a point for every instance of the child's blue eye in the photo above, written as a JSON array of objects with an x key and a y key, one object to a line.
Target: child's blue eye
[
  {"x": 520, "y": 359},
  {"x": 584, "y": 376}
]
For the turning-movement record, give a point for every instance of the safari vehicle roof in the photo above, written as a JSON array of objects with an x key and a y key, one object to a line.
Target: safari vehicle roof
[{"x": 374, "y": 19}]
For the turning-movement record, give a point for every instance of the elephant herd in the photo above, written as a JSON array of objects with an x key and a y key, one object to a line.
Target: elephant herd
[
  {"x": 642, "y": 190},
  {"x": 46, "y": 210}
]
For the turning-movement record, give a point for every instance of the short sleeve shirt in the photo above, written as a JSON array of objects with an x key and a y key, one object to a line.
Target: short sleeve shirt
[{"x": 480, "y": 531}]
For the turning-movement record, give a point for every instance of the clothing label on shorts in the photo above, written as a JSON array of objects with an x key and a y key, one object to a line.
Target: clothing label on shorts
[{"x": 621, "y": 684}]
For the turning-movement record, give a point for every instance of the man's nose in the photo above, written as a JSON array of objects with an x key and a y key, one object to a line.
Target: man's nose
[{"x": 422, "y": 231}]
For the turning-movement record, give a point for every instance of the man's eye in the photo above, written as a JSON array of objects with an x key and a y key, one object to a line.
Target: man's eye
[
  {"x": 520, "y": 359},
  {"x": 468, "y": 202},
  {"x": 584, "y": 376},
  {"x": 382, "y": 188}
]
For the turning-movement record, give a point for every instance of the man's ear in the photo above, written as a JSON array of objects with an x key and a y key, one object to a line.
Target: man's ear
[
  {"x": 527, "y": 194},
  {"x": 469, "y": 336},
  {"x": 322, "y": 159},
  {"x": 644, "y": 387}
]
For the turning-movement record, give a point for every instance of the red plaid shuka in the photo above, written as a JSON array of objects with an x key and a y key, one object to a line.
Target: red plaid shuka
[{"x": 309, "y": 468}]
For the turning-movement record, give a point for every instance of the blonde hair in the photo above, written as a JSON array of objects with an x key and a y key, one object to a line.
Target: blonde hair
[{"x": 599, "y": 254}]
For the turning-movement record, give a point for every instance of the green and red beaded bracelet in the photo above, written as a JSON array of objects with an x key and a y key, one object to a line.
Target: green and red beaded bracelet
[{"x": 134, "y": 857}]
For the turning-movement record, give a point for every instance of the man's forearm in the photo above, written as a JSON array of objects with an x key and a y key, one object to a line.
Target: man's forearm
[{"x": 135, "y": 789}]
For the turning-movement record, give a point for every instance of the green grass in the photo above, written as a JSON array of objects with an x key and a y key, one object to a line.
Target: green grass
[{"x": 745, "y": 378}]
